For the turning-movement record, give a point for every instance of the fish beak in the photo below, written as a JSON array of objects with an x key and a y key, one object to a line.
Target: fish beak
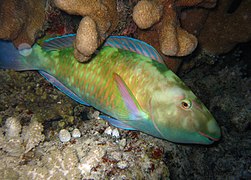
[{"x": 209, "y": 137}]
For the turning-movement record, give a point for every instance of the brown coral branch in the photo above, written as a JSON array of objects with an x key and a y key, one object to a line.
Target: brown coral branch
[
  {"x": 88, "y": 31},
  {"x": 101, "y": 13},
  {"x": 173, "y": 40},
  {"x": 146, "y": 13},
  {"x": 168, "y": 33}
]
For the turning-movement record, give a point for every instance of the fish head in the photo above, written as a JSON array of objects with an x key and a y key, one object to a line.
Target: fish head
[{"x": 179, "y": 116}]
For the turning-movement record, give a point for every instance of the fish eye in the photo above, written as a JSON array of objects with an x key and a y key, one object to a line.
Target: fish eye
[{"x": 186, "y": 104}]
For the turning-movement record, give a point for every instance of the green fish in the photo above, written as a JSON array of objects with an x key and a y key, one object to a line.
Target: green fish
[{"x": 126, "y": 80}]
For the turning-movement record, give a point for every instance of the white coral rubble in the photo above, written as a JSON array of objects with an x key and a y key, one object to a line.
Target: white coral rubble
[{"x": 18, "y": 140}]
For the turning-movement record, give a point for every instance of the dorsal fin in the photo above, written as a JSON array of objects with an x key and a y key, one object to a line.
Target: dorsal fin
[
  {"x": 134, "y": 45},
  {"x": 60, "y": 42}
]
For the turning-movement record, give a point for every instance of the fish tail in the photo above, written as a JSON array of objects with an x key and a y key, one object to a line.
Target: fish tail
[{"x": 13, "y": 58}]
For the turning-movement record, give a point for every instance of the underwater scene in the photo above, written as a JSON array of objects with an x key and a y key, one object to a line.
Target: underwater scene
[{"x": 125, "y": 89}]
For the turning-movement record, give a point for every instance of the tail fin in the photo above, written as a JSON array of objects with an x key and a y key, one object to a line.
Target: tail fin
[{"x": 12, "y": 58}]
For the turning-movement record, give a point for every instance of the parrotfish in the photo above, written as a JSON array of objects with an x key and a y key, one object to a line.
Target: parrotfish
[{"x": 127, "y": 80}]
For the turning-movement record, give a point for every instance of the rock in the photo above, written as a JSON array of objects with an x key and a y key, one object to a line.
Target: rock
[
  {"x": 76, "y": 133},
  {"x": 64, "y": 135},
  {"x": 115, "y": 133},
  {"x": 122, "y": 164},
  {"x": 122, "y": 143},
  {"x": 108, "y": 131}
]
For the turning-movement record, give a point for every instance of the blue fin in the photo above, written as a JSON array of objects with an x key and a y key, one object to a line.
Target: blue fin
[
  {"x": 134, "y": 45},
  {"x": 59, "y": 42},
  {"x": 12, "y": 58},
  {"x": 62, "y": 87},
  {"x": 116, "y": 123},
  {"x": 134, "y": 109}
]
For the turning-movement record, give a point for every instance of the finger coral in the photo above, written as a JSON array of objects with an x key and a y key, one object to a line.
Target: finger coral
[
  {"x": 100, "y": 19},
  {"x": 173, "y": 40},
  {"x": 146, "y": 13},
  {"x": 21, "y": 21},
  {"x": 19, "y": 140},
  {"x": 86, "y": 40}
]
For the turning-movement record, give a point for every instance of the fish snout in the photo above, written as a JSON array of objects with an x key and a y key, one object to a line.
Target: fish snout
[{"x": 213, "y": 132}]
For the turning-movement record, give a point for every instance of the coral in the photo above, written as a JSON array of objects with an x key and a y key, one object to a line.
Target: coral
[
  {"x": 10, "y": 141},
  {"x": 16, "y": 144},
  {"x": 224, "y": 29},
  {"x": 146, "y": 13},
  {"x": 91, "y": 160},
  {"x": 88, "y": 31},
  {"x": 56, "y": 164},
  {"x": 12, "y": 128},
  {"x": 62, "y": 163},
  {"x": 173, "y": 40},
  {"x": 9, "y": 173},
  {"x": 100, "y": 19},
  {"x": 32, "y": 135},
  {"x": 193, "y": 20},
  {"x": 220, "y": 29},
  {"x": 93, "y": 156},
  {"x": 21, "y": 21}
]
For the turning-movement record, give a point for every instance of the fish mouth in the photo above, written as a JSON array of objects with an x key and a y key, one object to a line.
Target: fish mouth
[{"x": 209, "y": 137}]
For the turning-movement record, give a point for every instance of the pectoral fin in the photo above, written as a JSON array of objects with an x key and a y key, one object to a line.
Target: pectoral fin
[{"x": 133, "y": 107}]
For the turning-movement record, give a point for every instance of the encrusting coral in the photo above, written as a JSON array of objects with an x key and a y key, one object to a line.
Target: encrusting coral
[
  {"x": 21, "y": 21},
  {"x": 100, "y": 19},
  {"x": 173, "y": 40},
  {"x": 220, "y": 29},
  {"x": 224, "y": 29}
]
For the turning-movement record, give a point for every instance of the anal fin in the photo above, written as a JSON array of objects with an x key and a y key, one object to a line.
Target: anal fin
[{"x": 116, "y": 123}]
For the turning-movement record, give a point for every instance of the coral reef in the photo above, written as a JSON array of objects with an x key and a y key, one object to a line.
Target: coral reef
[
  {"x": 21, "y": 21},
  {"x": 173, "y": 40},
  {"x": 100, "y": 19},
  {"x": 93, "y": 156},
  {"x": 220, "y": 29}
]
